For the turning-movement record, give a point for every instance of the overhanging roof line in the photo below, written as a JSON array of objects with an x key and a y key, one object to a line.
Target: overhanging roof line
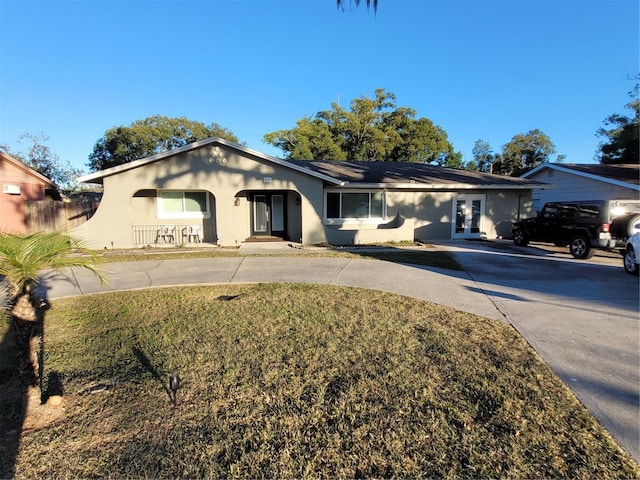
[
  {"x": 27, "y": 169},
  {"x": 199, "y": 144},
  {"x": 579, "y": 173},
  {"x": 437, "y": 186}
]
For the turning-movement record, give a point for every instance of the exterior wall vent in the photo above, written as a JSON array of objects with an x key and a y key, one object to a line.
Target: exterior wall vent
[{"x": 11, "y": 189}]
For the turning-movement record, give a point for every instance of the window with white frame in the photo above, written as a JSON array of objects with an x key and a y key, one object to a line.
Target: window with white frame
[
  {"x": 183, "y": 204},
  {"x": 354, "y": 206}
]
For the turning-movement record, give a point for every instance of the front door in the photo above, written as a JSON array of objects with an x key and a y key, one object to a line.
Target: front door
[
  {"x": 268, "y": 215},
  {"x": 468, "y": 214}
]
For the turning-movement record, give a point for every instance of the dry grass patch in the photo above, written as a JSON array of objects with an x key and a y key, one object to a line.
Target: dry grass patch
[
  {"x": 304, "y": 381},
  {"x": 425, "y": 256}
]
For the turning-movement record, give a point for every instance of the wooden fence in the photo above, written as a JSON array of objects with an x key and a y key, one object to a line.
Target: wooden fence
[{"x": 52, "y": 215}]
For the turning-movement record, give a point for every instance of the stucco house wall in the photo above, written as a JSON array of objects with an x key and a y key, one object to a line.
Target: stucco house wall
[
  {"x": 409, "y": 201},
  {"x": 130, "y": 199},
  {"x": 432, "y": 213},
  {"x": 419, "y": 215}
]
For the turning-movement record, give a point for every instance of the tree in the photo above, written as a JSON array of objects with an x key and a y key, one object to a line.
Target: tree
[
  {"x": 623, "y": 139},
  {"x": 22, "y": 258},
  {"x": 483, "y": 157},
  {"x": 373, "y": 129},
  {"x": 340, "y": 3},
  {"x": 523, "y": 153},
  {"x": 40, "y": 158},
  {"x": 311, "y": 138},
  {"x": 148, "y": 137}
]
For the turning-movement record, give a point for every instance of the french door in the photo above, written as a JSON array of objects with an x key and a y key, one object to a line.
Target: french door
[
  {"x": 268, "y": 214},
  {"x": 468, "y": 215}
]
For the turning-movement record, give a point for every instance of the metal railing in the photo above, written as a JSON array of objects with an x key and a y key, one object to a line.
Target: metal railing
[{"x": 165, "y": 235}]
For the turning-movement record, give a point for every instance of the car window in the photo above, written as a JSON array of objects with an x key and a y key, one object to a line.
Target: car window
[
  {"x": 589, "y": 211},
  {"x": 567, "y": 210},
  {"x": 550, "y": 210}
]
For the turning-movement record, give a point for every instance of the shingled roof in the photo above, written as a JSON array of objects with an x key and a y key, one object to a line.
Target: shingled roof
[
  {"x": 627, "y": 172},
  {"x": 407, "y": 173},
  {"x": 350, "y": 174}
]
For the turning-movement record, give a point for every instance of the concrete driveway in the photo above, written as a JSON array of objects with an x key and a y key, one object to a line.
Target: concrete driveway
[{"x": 581, "y": 316}]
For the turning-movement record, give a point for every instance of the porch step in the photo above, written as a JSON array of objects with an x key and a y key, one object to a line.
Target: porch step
[{"x": 263, "y": 239}]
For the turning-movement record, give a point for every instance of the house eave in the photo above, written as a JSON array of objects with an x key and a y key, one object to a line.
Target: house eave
[
  {"x": 28, "y": 170},
  {"x": 98, "y": 176},
  {"x": 438, "y": 186},
  {"x": 578, "y": 173}
]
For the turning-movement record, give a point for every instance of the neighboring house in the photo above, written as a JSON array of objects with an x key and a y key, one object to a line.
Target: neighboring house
[
  {"x": 224, "y": 193},
  {"x": 571, "y": 181},
  {"x": 19, "y": 184}
]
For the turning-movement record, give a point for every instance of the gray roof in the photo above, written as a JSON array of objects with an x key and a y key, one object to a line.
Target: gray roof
[
  {"x": 624, "y": 173},
  {"x": 374, "y": 174},
  {"x": 97, "y": 177},
  {"x": 629, "y": 173},
  {"x": 408, "y": 173}
]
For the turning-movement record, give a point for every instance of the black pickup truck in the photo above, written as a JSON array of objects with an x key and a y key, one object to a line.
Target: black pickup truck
[{"x": 584, "y": 226}]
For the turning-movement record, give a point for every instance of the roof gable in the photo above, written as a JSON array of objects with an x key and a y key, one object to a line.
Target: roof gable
[
  {"x": 98, "y": 176},
  {"x": 622, "y": 175},
  {"x": 355, "y": 174},
  {"x": 28, "y": 170}
]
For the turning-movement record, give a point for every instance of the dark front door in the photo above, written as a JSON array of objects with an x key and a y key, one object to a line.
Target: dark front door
[{"x": 268, "y": 215}]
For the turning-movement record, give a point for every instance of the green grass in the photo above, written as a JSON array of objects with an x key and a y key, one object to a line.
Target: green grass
[{"x": 287, "y": 380}]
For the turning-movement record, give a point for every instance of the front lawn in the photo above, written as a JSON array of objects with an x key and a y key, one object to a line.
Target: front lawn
[{"x": 292, "y": 381}]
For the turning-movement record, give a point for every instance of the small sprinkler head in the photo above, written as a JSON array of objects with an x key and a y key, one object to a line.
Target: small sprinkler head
[
  {"x": 174, "y": 385},
  {"x": 174, "y": 382}
]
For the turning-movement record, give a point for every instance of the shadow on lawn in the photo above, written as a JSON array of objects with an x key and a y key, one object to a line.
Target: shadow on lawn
[
  {"x": 13, "y": 406},
  {"x": 148, "y": 366},
  {"x": 21, "y": 368}
]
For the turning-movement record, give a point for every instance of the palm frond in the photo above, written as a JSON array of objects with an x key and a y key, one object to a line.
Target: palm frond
[{"x": 22, "y": 258}]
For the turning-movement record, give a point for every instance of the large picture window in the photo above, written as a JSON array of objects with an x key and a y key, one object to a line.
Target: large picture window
[
  {"x": 360, "y": 206},
  {"x": 177, "y": 204}
]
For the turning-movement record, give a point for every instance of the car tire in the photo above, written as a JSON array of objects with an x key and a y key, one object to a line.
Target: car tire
[
  {"x": 580, "y": 247},
  {"x": 632, "y": 225},
  {"x": 520, "y": 237},
  {"x": 630, "y": 265},
  {"x": 624, "y": 226}
]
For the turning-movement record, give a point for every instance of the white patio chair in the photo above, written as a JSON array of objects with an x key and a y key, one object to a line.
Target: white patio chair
[
  {"x": 167, "y": 233},
  {"x": 192, "y": 232}
]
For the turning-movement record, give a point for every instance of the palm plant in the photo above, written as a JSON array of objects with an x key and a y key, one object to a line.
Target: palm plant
[{"x": 22, "y": 259}]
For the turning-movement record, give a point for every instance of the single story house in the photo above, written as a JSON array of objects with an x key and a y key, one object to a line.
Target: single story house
[
  {"x": 572, "y": 181},
  {"x": 222, "y": 193},
  {"x": 19, "y": 184}
]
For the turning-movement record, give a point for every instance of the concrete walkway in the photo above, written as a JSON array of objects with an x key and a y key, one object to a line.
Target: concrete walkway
[{"x": 505, "y": 292}]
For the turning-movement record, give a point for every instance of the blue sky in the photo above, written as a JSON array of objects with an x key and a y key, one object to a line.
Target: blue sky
[{"x": 480, "y": 69}]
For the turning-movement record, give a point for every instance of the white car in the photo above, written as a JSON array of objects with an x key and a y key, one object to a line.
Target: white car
[{"x": 632, "y": 254}]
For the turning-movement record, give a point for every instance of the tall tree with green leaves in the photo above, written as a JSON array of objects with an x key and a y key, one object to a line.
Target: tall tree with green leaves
[
  {"x": 622, "y": 139},
  {"x": 40, "y": 158},
  {"x": 372, "y": 129},
  {"x": 483, "y": 157},
  {"x": 148, "y": 137},
  {"x": 22, "y": 259},
  {"x": 524, "y": 152}
]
